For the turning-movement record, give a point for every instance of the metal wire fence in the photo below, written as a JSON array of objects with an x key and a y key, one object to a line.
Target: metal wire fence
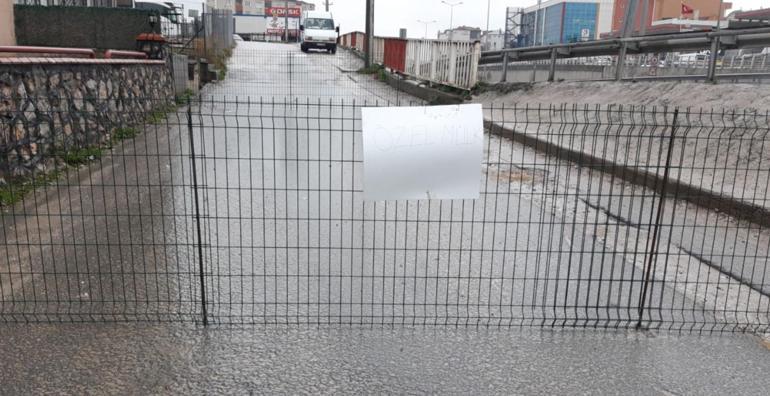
[{"x": 248, "y": 211}]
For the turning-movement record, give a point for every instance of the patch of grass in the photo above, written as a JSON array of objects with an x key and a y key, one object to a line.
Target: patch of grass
[
  {"x": 124, "y": 133},
  {"x": 502, "y": 88},
  {"x": 81, "y": 156},
  {"x": 185, "y": 97},
  {"x": 15, "y": 191},
  {"x": 372, "y": 69},
  {"x": 156, "y": 117},
  {"x": 382, "y": 75},
  {"x": 220, "y": 63},
  {"x": 159, "y": 114}
]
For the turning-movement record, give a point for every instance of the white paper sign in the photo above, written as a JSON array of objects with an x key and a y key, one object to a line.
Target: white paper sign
[{"x": 432, "y": 152}]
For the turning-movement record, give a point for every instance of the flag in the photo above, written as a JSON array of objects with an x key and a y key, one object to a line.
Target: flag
[{"x": 686, "y": 9}]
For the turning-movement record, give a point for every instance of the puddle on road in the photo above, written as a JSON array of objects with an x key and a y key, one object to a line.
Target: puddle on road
[{"x": 510, "y": 173}]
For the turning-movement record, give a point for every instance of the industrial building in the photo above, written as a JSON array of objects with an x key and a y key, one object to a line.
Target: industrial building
[{"x": 564, "y": 21}]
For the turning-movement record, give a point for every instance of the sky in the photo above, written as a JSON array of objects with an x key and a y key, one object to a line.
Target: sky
[{"x": 390, "y": 15}]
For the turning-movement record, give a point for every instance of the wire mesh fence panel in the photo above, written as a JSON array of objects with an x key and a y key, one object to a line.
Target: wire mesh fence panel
[
  {"x": 602, "y": 216},
  {"x": 96, "y": 213},
  {"x": 562, "y": 234},
  {"x": 712, "y": 227}
]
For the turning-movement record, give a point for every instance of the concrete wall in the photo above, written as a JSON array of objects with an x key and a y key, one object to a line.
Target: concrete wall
[
  {"x": 49, "y": 107},
  {"x": 89, "y": 27},
  {"x": 7, "y": 35}
]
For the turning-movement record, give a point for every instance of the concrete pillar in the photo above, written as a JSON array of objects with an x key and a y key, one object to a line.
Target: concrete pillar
[
  {"x": 552, "y": 69},
  {"x": 621, "y": 62},
  {"x": 504, "y": 76},
  {"x": 7, "y": 34},
  {"x": 712, "y": 69}
]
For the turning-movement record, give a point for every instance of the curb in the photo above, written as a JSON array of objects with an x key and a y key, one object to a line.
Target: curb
[
  {"x": 675, "y": 189},
  {"x": 433, "y": 96},
  {"x": 430, "y": 95}
]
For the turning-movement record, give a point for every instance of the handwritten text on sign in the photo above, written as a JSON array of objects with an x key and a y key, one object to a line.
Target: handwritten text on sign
[{"x": 432, "y": 152}]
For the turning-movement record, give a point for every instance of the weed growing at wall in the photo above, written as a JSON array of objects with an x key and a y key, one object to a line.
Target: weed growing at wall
[{"x": 14, "y": 191}]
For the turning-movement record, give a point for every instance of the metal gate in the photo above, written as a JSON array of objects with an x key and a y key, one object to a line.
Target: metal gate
[
  {"x": 585, "y": 219},
  {"x": 232, "y": 211}
]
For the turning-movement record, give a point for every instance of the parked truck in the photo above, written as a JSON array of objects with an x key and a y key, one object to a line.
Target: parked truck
[{"x": 250, "y": 25}]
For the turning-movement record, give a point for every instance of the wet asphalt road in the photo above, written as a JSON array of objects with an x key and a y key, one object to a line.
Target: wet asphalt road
[
  {"x": 165, "y": 359},
  {"x": 291, "y": 240}
]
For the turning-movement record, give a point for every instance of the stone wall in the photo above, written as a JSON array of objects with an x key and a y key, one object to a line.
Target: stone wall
[
  {"x": 60, "y": 105},
  {"x": 81, "y": 27}
]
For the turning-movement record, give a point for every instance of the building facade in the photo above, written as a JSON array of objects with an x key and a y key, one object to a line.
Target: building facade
[
  {"x": 221, "y": 4},
  {"x": 249, "y": 7},
  {"x": 564, "y": 21},
  {"x": 493, "y": 40},
  {"x": 667, "y": 15},
  {"x": 258, "y": 7},
  {"x": 461, "y": 33}
]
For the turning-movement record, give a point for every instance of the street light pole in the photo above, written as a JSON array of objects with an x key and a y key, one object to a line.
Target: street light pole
[
  {"x": 426, "y": 23},
  {"x": 715, "y": 47},
  {"x": 489, "y": 5},
  {"x": 719, "y": 16},
  {"x": 286, "y": 21},
  {"x": 451, "y": 17},
  {"x": 369, "y": 33},
  {"x": 537, "y": 24}
]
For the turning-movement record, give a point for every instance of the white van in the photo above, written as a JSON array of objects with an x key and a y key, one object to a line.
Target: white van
[{"x": 318, "y": 31}]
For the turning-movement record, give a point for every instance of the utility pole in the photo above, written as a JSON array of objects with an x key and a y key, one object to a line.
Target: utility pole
[
  {"x": 537, "y": 23},
  {"x": 426, "y": 23},
  {"x": 451, "y": 17},
  {"x": 286, "y": 21},
  {"x": 369, "y": 32},
  {"x": 489, "y": 5},
  {"x": 629, "y": 22},
  {"x": 715, "y": 48},
  {"x": 719, "y": 16},
  {"x": 327, "y": 4}
]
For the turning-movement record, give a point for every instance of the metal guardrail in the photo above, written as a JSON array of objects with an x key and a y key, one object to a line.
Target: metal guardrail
[
  {"x": 621, "y": 47},
  {"x": 21, "y": 49},
  {"x": 85, "y": 52},
  {"x": 112, "y": 54}
]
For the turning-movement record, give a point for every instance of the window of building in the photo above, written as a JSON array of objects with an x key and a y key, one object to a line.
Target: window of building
[
  {"x": 579, "y": 22},
  {"x": 552, "y": 28}
]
